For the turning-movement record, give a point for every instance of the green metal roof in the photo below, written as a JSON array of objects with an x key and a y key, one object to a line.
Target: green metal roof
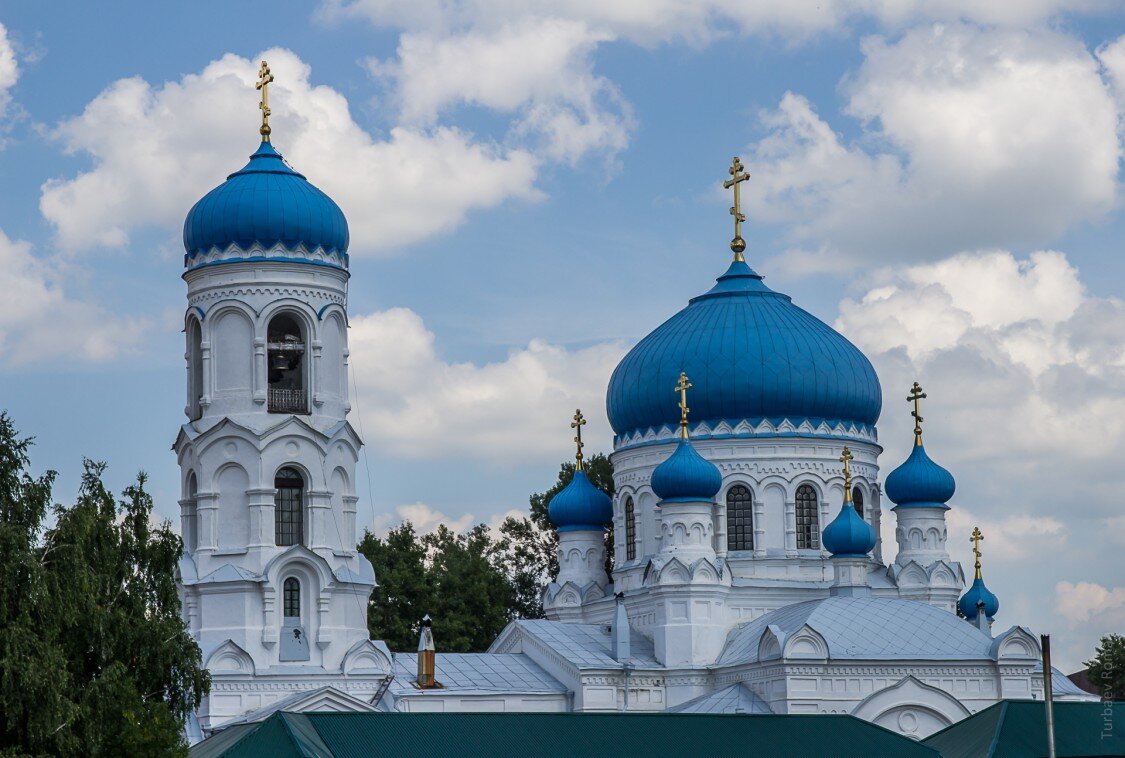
[
  {"x": 1017, "y": 729},
  {"x": 343, "y": 735}
]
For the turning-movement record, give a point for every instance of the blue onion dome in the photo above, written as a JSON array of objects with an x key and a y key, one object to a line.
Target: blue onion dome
[
  {"x": 686, "y": 476},
  {"x": 976, "y": 594},
  {"x": 266, "y": 210},
  {"x": 849, "y": 536},
  {"x": 919, "y": 482},
  {"x": 580, "y": 506},
  {"x": 757, "y": 357}
]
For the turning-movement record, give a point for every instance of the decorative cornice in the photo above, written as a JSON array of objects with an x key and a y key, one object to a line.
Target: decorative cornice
[
  {"x": 233, "y": 253},
  {"x": 748, "y": 428}
]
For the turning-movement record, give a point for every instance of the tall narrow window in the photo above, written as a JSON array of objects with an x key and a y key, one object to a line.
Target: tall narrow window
[
  {"x": 195, "y": 369},
  {"x": 292, "y": 600},
  {"x": 286, "y": 366},
  {"x": 630, "y": 530},
  {"x": 857, "y": 500},
  {"x": 287, "y": 512},
  {"x": 740, "y": 518},
  {"x": 808, "y": 524}
]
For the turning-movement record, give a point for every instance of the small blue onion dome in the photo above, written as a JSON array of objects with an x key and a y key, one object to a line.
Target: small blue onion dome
[
  {"x": 976, "y": 594},
  {"x": 920, "y": 483},
  {"x": 755, "y": 355},
  {"x": 848, "y": 536},
  {"x": 686, "y": 475},
  {"x": 267, "y": 203},
  {"x": 580, "y": 506}
]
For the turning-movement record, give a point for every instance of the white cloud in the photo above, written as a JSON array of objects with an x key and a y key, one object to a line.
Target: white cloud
[
  {"x": 1026, "y": 363},
  {"x": 650, "y": 22},
  {"x": 539, "y": 71},
  {"x": 157, "y": 149},
  {"x": 972, "y": 138},
  {"x": 9, "y": 69},
  {"x": 1025, "y": 372},
  {"x": 41, "y": 321},
  {"x": 515, "y": 410},
  {"x": 1084, "y": 602},
  {"x": 425, "y": 519}
]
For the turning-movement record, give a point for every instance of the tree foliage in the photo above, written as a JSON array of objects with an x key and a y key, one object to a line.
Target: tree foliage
[
  {"x": 94, "y": 657},
  {"x": 472, "y": 584},
  {"x": 454, "y": 578},
  {"x": 1106, "y": 670}
]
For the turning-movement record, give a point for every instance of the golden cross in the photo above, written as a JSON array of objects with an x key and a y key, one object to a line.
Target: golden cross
[
  {"x": 264, "y": 79},
  {"x": 846, "y": 459},
  {"x": 976, "y": 540},
  {"x": 682, "y": 387},
  {"x": 737, "y": 245},
  {"x": 916, "y": 394},
  {"x": 577, "y": 425}
]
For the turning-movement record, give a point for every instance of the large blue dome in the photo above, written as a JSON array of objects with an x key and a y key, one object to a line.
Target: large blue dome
[
  {"x": 265, "y": 205},
  {"x": 752, "y": 356}
]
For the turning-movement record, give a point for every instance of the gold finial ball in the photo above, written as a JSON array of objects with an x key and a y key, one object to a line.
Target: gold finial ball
[
  {"x": 738, "y": 245},
  {"x": 265, "y": 130}
]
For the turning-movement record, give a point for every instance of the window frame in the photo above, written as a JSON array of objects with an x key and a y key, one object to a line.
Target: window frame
[
  {"x": 291, "y": 598},
  {"x": 806, "y": 517},
  {"x": 289, "y": 512},
  {"x": 740, "y": 536},
  {"x": 630, "y": 510}
]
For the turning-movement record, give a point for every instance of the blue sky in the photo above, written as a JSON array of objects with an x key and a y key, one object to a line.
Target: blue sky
[{"x": 533, "y": 187}]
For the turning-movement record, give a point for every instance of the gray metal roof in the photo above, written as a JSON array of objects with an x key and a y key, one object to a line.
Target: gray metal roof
[
  {"x": 476, "y": 672},
  {"x": 588, "y": 646},
  {"x": 737, "y": 698},
  {"x": 867, "y": 628}
]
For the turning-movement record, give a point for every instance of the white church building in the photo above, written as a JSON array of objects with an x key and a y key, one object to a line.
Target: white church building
[{"x": 748, "y": 570}]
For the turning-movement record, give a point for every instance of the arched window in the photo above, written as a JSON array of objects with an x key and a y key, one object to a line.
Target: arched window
[
  {"x": 195, "y": 369},
  {"x": 285, "y": 363},
  {"x": 288, "y": 508},
  {"x": 740, "y": 518},
  {"x": 292, "y": 598},
  {"x": 857, "y": 500},
  {"x": 630, "y": 530},
  {"x": 808, "y": 523}
]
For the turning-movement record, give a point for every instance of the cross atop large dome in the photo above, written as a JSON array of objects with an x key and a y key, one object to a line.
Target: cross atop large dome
[{"x": 754, "y": 357}]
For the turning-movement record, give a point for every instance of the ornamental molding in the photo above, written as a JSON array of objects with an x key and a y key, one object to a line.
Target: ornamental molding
[
  {"x": 272, "y": 291},
  {"x": 234, "y": 252},
  {"x": 351, "y": 683},
  {"x": 744, "y": 429}
]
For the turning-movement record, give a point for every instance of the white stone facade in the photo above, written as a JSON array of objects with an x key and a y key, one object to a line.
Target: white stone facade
[{"x": 276, "y": 608}]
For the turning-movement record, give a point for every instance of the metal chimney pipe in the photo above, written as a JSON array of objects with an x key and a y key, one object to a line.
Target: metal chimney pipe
[{"x": 1048, "y": 697}]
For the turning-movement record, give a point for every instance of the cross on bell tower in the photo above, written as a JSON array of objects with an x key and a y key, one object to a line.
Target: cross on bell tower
[{"x": 264, "y": 79}]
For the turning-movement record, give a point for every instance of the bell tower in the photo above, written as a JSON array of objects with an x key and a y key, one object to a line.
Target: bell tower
[{"x": 273, "y": 587}]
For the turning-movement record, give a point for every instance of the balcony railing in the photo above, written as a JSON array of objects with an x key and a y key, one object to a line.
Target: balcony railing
[{"x": 283, "y": 400}]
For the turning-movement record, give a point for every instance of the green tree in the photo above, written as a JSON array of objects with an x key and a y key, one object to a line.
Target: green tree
[
  {"x": 1106, "y": 670},
  {"x": 453, "y": 577},
  {"x": 94, "y": 657},
  {"x": 472, "y": 597},
  {"x": 405, "y": 590}
]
